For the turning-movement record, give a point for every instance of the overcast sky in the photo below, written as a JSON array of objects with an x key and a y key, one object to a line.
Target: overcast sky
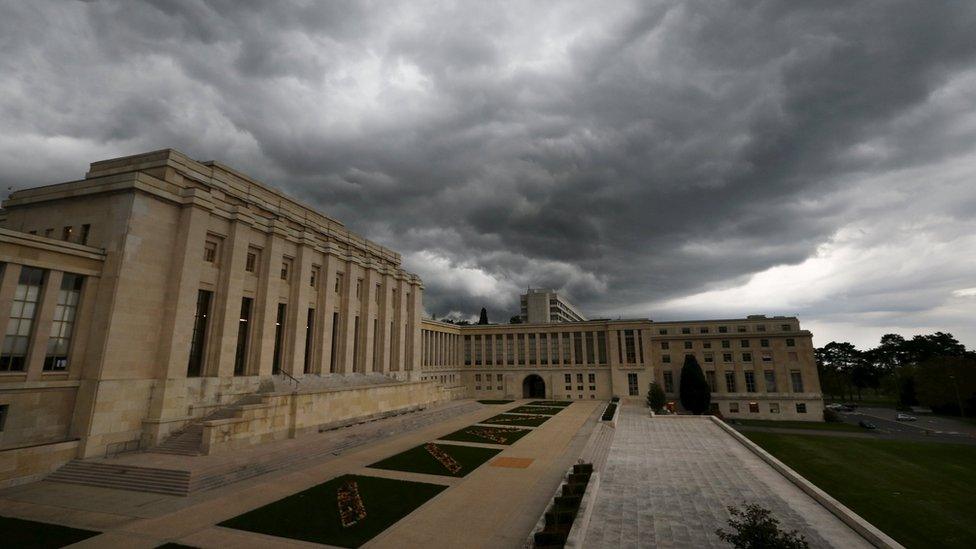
[{"x": 670, "y": 160}]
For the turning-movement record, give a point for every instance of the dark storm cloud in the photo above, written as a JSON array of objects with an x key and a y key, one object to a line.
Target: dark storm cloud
[{"x": 628, "y": 154}]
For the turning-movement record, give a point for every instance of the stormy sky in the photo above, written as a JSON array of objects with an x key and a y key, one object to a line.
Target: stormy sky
[{"x": 661, "y": 159}]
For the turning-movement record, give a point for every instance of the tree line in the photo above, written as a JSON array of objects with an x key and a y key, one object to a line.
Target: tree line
[{"x": 933, "y": 370}]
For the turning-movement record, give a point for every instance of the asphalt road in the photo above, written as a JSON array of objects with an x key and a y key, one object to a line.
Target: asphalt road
[{"x": 926, "y": 427}]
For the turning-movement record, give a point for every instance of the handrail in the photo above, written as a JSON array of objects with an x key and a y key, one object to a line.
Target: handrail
[{"x": 293, "y": 378}]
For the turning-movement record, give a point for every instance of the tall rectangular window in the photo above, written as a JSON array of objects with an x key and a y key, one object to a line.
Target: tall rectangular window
[
  {"x": 499, "y": 359},
  {"x": 58, "y": 344},
  {"x": 467, "y": 350},
  {"x": 243, "y": 335},
  {"x": 668, "y": 382},
  {"x": 309, "y": 340},
  {"x": 521, "y": 348},
  {"x": 770, "y": 378},
  {"x": 532, "y": 348},
  {"x": 334, "y": 351},
  {"x": 210, "y": 251},
  {"x": 730, "y": 382},
  {"x": 601, "y": 345},
  {"x": 198, "y": 340},
  {"x": 376, "y": 344},
  {"x": 796, "y": 378},
  {"x": 710, "y": 378},
  {"x": 544, "y": 349},
  {"x": 630, "y": 347},
  {"x": 590, "y": 349},
  {"x": 23, "y": 309},
  {"x": 85, "y": 233},
  {"x": 578, "y": 347},
  {"x": 750, "y": 382},
  {"x": 251, "y": 261},
  {"x": 279, "y": 338},
  {"x": 567, "y": 345},
  {"x": 477, "y": 350},
  {"x": 510, "y": 352},
  {"x": 313, "y": 277},
  {"x": 632, "y": 388},
  {"x": 355, "y": 345}
]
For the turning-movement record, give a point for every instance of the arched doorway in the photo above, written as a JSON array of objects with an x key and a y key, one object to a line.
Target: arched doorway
[{"x": 533, "y": 387}]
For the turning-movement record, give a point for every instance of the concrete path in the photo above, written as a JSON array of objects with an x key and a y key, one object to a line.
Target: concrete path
[{"x": 669, "y": 480}]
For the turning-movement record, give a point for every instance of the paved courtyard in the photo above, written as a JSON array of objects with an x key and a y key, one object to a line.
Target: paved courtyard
[{"x": 668, "y": 481}]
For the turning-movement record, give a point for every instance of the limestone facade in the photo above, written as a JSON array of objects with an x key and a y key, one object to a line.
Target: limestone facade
[{"x": 758, "y": 367}]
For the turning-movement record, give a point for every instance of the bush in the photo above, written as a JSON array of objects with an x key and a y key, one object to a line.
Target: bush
[
  {"x": 615, "y": 399},
  {"x": 831, "y": 416},
  {"x": 755, "y": 528},
  {"x": 608, "y": 413},
  {"x": 656, "y": 399}
]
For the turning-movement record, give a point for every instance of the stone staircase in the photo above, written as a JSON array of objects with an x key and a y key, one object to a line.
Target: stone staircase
[
  {"x": 188, "y": 441},
  {"x": 141, "y": 479},
  {"x": 598, "y": 446}
]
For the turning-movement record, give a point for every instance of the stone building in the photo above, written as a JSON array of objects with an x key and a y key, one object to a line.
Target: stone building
[
  {"x": 758, "y": 367},
  {"x": 162, "y": 298}
]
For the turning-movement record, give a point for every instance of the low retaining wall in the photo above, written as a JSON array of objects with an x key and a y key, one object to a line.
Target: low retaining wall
[
  {"x": 287, "y": 415},
  {"x": 30, "y": 463},
  {"x": 867, "y": 530},
  {"x": 577, "y": 533}
]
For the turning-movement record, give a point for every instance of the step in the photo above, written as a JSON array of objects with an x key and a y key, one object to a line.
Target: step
[{"x": 168, "y": 490}]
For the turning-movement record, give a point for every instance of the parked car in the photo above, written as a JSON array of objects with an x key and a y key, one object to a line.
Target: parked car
[
  {"x": 867, "y": 425},
  {"x": 849, "y": 406},
  {"x": 834, "y": 406},
  {"x": 905, "y": 417}
]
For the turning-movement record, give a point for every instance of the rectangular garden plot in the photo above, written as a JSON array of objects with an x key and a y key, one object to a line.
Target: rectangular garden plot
[
  {"x": 542, "y": 410},
  {"x": 487, "y": 435},
  {"x": 438, "y": 459},
  {"x": 16, "y": 532},
  {"x": 496, "y": 401},
  {"x": 516, "y": 420},
  {"x": 346, "y": 511},
  {"x": 562, "y": 403}
]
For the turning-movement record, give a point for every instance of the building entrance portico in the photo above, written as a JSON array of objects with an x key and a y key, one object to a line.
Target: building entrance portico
[{"x": 533, "y": 387}]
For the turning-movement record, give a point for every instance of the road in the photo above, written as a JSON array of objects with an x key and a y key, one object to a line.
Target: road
[{"x": 926, "y": 427}]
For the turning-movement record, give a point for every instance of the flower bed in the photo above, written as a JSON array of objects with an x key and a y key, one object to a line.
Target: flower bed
[
  {"x": 610, "y": 410},
  {"x": 562, "y": 403},
  {"x": 517, "y": 420},
  {"x": 438, "y": 459},
  {"x": 490, "y": 435},
  {"x": 541, "y": 410}
]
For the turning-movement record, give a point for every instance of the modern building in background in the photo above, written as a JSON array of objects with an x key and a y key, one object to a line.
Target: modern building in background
[
  {"x": 542, "y": 306},
  {"x": 161, "y": 298}
]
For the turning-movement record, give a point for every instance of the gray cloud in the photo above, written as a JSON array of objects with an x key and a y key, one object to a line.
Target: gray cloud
[{"x": 630, "y": 154}]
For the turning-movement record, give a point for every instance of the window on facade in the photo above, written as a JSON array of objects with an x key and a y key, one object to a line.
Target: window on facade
[
  {"x": 723, "y": 329},
  {"x": 726, "y": 357},
  {"x": 790, "y": 342},
  {"x": 210, "y": 251},
  {"x": 746, "y": 357},
  {"x": 706, "y": 344},
  {"x": 310, "y": 339},
  {"x": 770, "y": 378},
  {"x": 477, "y": 350},
  {"x": 764, "y": 343},
  {"x": 630, "y": 347},
  {"x": 85, "y": 233},
  {"x": 726, "y": 344},
  {"x": 285, "y": 269},
  {"x": 334, "y": 350},
  {"x": 359, "y": 288},
  {"x": 243, "y": 332},
  {"x": 665, "y": 345},
  {"x": 632, "y": 388},
  {"x": 66, "y": 233},
  {"x": 687, "y": 345},
  {"x": 730, "y": 382},
  {"x": 796, "y": 381},
  {"x": 666, "y": 359},
  {"x": 279, "y": 338},
  {"x": 590, "y": 349},
  {"x": 532, "y": 349},
  {"x": 703, "y": 330},
  {"x": 477, "y": 377},
  {"x": 801, "y": 407},
  {"x": 686, "y": 330},
  {"x": 510, "y": 351},
  {"x": 767, "y": 356},
  {"x": 709, "y": 357},
  {"x": 56, "y": 359},
  {"x": 668, "y": 382},
  {"x": 499, "y": 359},
  {"x": 567, "y": 347},
  {"x": 785, "y": 327},
  {"x": 663, "y": 331},
  {"x": 313, "y": 277},
  {"x": 568, "y": 378},
  {"x": 251, "y": 264},
  {"x": 733, "y": 407},
  {"x": 198, "y": 339},
  {"x": 774, "y": 407},
  {"x": 578, "y": 347},
  {"x": 760, "y": 327},
  {"x": 750, "y": 382},
  {"x": 579, "y": 378},
  {"x": 744, "y": 343},
  {"x": 591, "y": 378},
  {"x": 740, "y": 329},
  {"x": 337, "y": 286},
  {"x": 710, "y": 378},
  {"x": 23, "y": 309},
  {"x": 379, "y": 292},
  {"x": 753, "y": 407},
  {"x": 601, "y": 347}
]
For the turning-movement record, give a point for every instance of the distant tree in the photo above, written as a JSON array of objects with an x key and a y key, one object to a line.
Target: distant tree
[
  {"x": 515, "y": 320},
  {"x": 693, "y": 389},
  {"x": 836, "y": 362},
  {"x": 755, "y": 528},
  {"x": 947, "y": 384},
  {"x": 483, "y": 319},
  {"x": 656, "y": 399},
  {"x": 463, "y": 322}
]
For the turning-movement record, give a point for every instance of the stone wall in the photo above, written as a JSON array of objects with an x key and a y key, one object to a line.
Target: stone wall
[
  {"x": 287, "y": 415},
  {"x": 37, "y": 415},
  {"x": 30, "y": 463}
]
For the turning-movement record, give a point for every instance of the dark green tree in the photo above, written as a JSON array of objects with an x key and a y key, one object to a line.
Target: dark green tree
[
  {"x": 694, "y": 391},
  {"x": 483, "y": 319},
  {"x": 656, "y": 399},
  {"x": 515, "y": 320},
  {"x": 755, "y": 528}
]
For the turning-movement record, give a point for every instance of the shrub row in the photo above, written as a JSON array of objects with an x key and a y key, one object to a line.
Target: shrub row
[
  {"x": 608, "y": 413},
  {"x": 559, "y": 518}
]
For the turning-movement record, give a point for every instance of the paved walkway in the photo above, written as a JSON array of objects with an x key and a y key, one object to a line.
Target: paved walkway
[
  {"x": 668, "y": 482},
  {"x": 491, "y": 507}
]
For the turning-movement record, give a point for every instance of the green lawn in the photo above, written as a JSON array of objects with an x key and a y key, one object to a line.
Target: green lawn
[
  {"x": 16, "y": 532},
  {"x": 813, "y": 425},
  {"x": 543, "y": 410},
  {"x": 496, "y": 401},
  {"x": 313, "y": 515},
  {"x": 476, "y": 434},
  {"x": 562, "y": 403},
  {"x": 419, "y": 460},
  {"x": 517, "y": 420},
  {"x": 920, "y": 493}
]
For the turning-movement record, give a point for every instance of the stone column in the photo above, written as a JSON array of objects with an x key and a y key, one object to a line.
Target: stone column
[
  {"x": 8, "y": 285},
  {"x": 299, "y": 293},
  {"x": 328, "y": 305},
  {"x": 413, "y": 329},
  {"x": 43, "y": 317},
  {"x": 227, "y": 306},
  {"x": 351, "y": 309},
  {"x": 184, "y": 281},
  {"x": 266, "y": 304}
]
